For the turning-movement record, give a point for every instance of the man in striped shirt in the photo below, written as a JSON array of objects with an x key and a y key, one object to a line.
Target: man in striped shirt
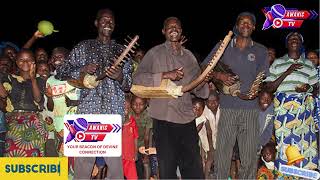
[
  {"x": 307, "y": 74},
  {"x": 294, "y": 124}
]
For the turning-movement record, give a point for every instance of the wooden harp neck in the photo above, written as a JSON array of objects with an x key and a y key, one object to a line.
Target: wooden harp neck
[{"x": 210, "y": 66}]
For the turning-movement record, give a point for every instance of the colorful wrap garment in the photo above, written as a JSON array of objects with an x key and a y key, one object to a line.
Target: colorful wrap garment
[
  {"x": 295, "y": 125},
  {"x": 26, "y": 135}
]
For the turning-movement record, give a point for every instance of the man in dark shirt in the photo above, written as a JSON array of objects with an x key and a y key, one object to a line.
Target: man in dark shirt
[
  {"x": 95, "y": 56},
  {"x": 239, "y": 118}
]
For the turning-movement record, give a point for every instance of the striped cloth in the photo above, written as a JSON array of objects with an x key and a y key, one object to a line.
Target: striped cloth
[{"x": 306, "y": 75}]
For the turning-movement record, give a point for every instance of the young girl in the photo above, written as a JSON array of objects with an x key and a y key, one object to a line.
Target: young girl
[{"x": 26, "y": 134}]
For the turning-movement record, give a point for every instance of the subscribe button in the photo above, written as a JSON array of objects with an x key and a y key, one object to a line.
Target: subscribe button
[{"x": 34, "y": 168}]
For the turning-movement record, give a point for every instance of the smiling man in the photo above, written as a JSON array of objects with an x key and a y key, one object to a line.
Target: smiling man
[
  {"x": 173, "y": 119},
  {"x": 239, "y": 118},
  {"x": 95, "y": 56},
  {"x": 294, "y": 103}
]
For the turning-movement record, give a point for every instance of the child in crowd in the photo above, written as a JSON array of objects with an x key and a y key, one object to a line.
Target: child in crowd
[
  {"x": 144, "y": 124},
  {"x": 213, "y": 103},
  {"x": 266, "y": 117},
  {"x": 43, "y": 70},
  {"x": 205, "y": 134},
  {"x": 266, "y": 168},
  {"x": 50, "y": 147},
  {"x": 5, "y": 69},
  {"x": 58, "y": 91},
  {"x": 41, "y": 55},
  {"x": 11, "y": 52},
  {"x": 26, "y": 96},
  {"x": 62, "y": 100},
  {"x": 129, "y": 143}
]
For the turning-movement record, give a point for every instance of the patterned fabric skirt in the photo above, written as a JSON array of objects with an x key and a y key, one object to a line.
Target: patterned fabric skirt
[
  {"x": 295, "y": 126},
  {"x": 26, "y": 135}
]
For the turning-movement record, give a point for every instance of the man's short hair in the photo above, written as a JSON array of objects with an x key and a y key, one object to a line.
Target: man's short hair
[
  {"x": 171, "y": 18},
  {"x": 62, "y": 50},
  {"x": 213, "y": 94},
  {"x": 103, "y": 11},
  {"x": 252, "y": 16}
]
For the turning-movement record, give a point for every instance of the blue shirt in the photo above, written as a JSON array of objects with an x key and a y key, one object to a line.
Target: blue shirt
[
  {"x": 266, "y": 119},
  {"x": 246, "y": 63},
  {"x": 108, "y": 96}
]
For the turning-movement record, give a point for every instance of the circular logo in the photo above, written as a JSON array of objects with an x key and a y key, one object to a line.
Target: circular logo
[
  {"x": 80, "y": 124},
  {"x": 277, "y": 23},
  {"x": 278, "y": 11},
  {"x": 251, "y": 57},
  {"x": 80, "y": 136}
]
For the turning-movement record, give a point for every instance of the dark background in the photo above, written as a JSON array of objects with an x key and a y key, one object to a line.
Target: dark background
[{"x": 204, "y": 22}]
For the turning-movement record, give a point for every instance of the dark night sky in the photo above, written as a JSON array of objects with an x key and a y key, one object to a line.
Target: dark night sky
[{"x": 204, "y": 24}]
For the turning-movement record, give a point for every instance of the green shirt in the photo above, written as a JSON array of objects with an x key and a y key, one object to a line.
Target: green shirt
[
  {"x": 60, "y": 89},
  {"x": 306, "y": 75},
  {"x": 143, "y": 122}
]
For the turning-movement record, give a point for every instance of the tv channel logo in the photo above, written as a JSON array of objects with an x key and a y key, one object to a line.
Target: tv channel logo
[
  {"x": 277, "y": 16},
  {"x": 92, "y": 135}
]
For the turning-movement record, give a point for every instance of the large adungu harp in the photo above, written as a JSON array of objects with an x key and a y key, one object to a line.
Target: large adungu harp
[{"x": 169, "y": 89}]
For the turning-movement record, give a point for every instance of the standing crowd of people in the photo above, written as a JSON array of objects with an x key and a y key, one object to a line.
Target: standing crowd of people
[{"x": 204, "y": 134}]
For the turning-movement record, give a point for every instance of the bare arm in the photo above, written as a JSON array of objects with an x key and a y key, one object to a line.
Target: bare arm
[
  {"x": 146, "y": 137},
  {"x": 272, "y": 86},
  {"x": 199, "y": 127},
  {"x": 50, "y": 104},
  {"x": 35, "y": 88},
  {"x": 209, "y": 135},
  {"x": 33, "y": 39}
]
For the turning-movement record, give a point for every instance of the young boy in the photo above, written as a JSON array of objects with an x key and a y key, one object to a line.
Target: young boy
[
  {"x": 144, "y": 124},
  {"x": 205, "y": 134},
  {"x": 266, "y": 117},
  {"x": 43, "y": 70},
  {"x": 213, "y": 103},
  {"x": 129, "y": 143}
]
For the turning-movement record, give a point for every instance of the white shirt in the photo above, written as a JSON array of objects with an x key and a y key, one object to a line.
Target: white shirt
[{"x": 208, "y": 115}]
